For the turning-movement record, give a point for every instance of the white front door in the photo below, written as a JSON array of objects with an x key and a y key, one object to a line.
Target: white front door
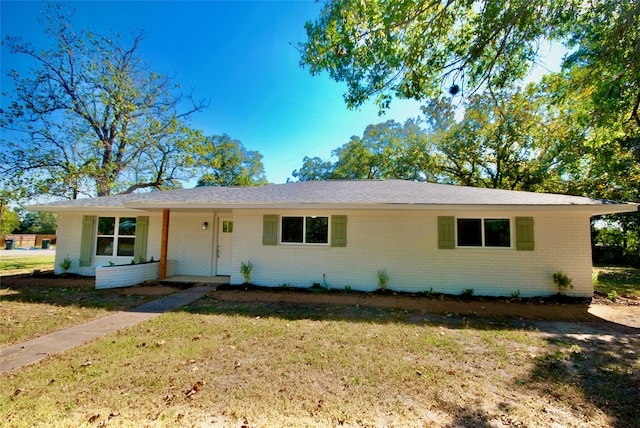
[{"x": 225, "y": 240}]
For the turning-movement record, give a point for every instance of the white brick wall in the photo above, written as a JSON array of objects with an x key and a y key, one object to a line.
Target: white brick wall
[
  {"x": 69, "y": 236},
  {"x": 191, "y": 246},
  {"x": 405, "y": 245},
  {"x": 128, "y": 275}
]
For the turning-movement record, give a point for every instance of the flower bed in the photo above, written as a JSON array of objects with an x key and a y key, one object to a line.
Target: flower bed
[{"x": 128, "y": 275}]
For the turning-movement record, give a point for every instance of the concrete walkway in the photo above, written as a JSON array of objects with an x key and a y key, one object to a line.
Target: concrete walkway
[{"x": 23, "y": 354}]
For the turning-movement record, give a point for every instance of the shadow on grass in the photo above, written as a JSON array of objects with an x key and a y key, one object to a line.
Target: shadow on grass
[
  {"x": 604, "y": 368},
  {"x": 66, "y": 290},
  {"x": 593, "y": 362}
]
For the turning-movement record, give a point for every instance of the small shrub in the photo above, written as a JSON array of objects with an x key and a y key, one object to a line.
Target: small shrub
[
  {"x": 285, "y": 285},
  {"x": 562, "y": 281},
  {"x": 383, "y": 279},
  {"x": 347, "y": 288},
  {"x": 467, "y": 292},
  {"x": 245, "y": 270},
  {"x": 613, "y": 295},
  {"x": 65, "y": 264},
  {"x": 515, "y": 294}
]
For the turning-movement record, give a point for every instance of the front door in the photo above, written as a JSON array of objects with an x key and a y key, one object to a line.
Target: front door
[{"x": 223, "y": 252}]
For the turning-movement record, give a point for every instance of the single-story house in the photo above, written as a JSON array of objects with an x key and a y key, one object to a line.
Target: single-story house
[{"x": 425, "y": 236}]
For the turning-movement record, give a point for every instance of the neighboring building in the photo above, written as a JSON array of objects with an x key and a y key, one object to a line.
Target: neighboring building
[{"x": 425, "y": 236}]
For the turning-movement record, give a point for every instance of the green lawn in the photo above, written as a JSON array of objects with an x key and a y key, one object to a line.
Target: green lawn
[
  {"x": 625, "y": 281},
  {"x": 11, "y": 265}
]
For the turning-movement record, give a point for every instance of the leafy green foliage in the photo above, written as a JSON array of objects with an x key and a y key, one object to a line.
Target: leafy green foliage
[
  {"x": 562, "y": 281},
  {"x": 418, "y": 49},
  {"x": 385, "y": 150},
  {"x": 383, "y": 279},
  {"x": 90, "y": 119},
  {"x": 415, "y": 49},
  {"x": 37, "y": 222},
  {"x": 467, "y": 292},
  {"x": 226, "y": 162},
  {"x": 10, "y": 221},
  {"x": 245, "y": 270}
]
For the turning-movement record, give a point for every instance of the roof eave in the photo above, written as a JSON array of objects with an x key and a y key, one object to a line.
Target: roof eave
[{"x": 593, "y": 209}]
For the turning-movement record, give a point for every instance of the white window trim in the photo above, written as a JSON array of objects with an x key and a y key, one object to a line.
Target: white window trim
[
  {"x": 115, "y": 238},
  {"x": 304, "y": 228},
  {"x": 483, "y": 246}
]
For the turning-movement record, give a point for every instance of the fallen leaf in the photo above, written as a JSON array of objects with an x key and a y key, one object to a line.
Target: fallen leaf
[
  {"x": 142, "y": 345},
  {"x": 94, "y": 418},
  {"x": 161, "y": 342},
  {"x": 86, "y": 364},
  {"x": 197, "y": 337},
  {"x": 194, "y": 389}
]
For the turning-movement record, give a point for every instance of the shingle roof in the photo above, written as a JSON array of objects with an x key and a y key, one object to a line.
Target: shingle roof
[{"x": 339, "y": 194}]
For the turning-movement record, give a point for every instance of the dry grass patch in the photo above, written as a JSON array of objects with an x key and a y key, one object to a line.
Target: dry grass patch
[
  {"x": 34, "y": 305},
  {"x": 267, "y": 364}
]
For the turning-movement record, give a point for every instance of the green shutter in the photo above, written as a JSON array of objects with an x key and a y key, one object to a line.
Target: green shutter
[
  {"x": 339, "y": 231},
  {"x": 142, "y": 233},
  {"x": 270, "y": 229},
  {"x": 524, "y": 234},
  {"x": 86, "y": 240},
  {"x": 446, "y": 233}
]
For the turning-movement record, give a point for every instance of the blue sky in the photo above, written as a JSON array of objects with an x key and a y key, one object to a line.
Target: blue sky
[{"x": 239, "y": 55}]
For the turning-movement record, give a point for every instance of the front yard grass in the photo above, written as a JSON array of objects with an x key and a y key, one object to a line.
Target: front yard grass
[
  {"x": 625, "y": 281},
  {"x": 217, "y": 363},
  {"x": 32, "y": 308},
  {"x": 13, "y": 265}
]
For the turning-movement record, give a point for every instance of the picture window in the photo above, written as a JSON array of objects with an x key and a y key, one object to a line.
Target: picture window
[
  {"x": 305, "y": 230},
  {"x": 116, "y": 241},
  {"x": 488, "y": 232}
]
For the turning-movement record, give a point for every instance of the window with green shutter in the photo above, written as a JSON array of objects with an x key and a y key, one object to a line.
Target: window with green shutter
[{"x": 116, "y": 236}]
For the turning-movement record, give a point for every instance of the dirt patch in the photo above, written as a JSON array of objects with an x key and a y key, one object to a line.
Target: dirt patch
[
  {"x": 529, "y": 309},
  {"x": 43, "y": 280}
]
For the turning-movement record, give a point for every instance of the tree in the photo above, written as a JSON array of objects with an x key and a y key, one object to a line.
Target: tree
[
  {"x": 510, "y": 139},
  {"x": 386, "y": 150},
  {"x": 90, "y": 119},
  {"x": 415, "y": 49},
  {"x": 10, "y": 221},
  {"x": 226, "y": 162},
  {"x": 314, "y": 169},
  {"x": 37, "y": 222}
]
